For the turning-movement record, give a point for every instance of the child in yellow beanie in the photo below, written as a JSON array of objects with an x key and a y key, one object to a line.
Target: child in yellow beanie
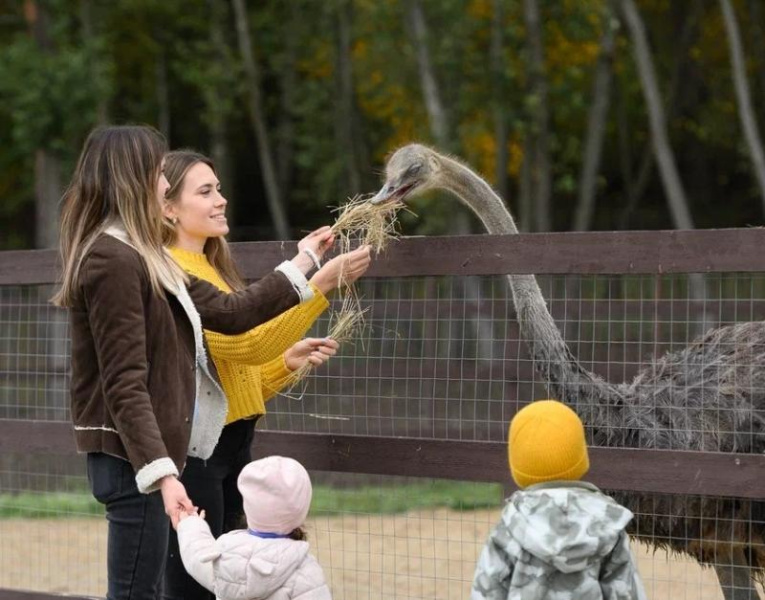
[{"x": 558, "y": 537}]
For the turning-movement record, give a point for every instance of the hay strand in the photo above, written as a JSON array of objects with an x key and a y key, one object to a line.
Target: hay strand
[{"x": 345, "y": 325}]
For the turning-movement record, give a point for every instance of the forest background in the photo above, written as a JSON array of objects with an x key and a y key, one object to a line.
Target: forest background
[{"x": 583, "y": 114}]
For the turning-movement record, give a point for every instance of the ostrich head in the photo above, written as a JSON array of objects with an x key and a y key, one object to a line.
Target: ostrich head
[
  {"x": 414, "y": 169},
  {"x": 411, "y": 169}
]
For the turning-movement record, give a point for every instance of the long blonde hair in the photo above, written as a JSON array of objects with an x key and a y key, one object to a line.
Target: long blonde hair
[
  {"x": 177, "y": 165},
  {"x": 115, "y": 183}
]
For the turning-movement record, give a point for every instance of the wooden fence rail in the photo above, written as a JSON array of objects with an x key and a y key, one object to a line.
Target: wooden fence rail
[
  {"x": 659, "y": 471},
  {"x": 627, "y": 252}
]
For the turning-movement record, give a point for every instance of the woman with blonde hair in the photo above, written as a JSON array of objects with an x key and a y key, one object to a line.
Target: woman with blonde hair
[
  {"x": 142, "y": 390},
  {"x": 252, "y": 366}
]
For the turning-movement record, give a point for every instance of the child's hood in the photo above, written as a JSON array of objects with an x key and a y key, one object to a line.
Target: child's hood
[
  {"x": 248, "y": 567},
  {"x": 569, "y": 525}
]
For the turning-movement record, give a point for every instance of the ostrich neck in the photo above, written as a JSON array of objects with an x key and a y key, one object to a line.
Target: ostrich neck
[
  {"x": 563, "y": 374},
  {"x": 478, "y": 195}
]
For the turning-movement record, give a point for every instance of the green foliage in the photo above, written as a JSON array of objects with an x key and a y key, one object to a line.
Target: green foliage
[
  {"x": 326, "y": 500},
  {"x": 46, "y": 505},
  {"x": 51, "y": 98},
  {"x": 140, "y": 59}
]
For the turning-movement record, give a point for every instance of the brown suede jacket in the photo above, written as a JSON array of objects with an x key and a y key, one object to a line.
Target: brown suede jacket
[{"x": 133, "y": 356}]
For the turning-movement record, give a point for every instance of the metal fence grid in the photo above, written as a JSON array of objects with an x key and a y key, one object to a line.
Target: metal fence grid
[
  {"x": 443, "y": 360},
  {"x": 427, "y": 552},
  {"x": 440, "y": 358}
]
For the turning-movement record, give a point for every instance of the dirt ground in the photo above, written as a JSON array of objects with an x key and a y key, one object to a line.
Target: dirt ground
[{"x": 423, "y": 554}]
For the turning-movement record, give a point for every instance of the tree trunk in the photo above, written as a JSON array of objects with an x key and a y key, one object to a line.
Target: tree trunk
[
  {"x": 645, "y": 168},
  {"x": 163, "y": 93},
  {"x": 625, "y": 150},
  {"x": 596, "y": 128},
  {"x": 743, "y": 96},
  {"x": 363, "y": 156},
  {"x": 439, "y": 123},
  {"x": 499, "y": 99},
  {"x": 757, "y": 36},
  {"x": 88, "y": 33},
  {"x": 47, "y": 184},
  {"x": 539, "y": 165},
  {"x": 255, "y": 110},
  {"x": 288, "y": 84},
  {"x": 219, "y": 144},
  {"x": 345, "y": 107},
  {"x": 48, "y": 193},
  {"x": 525, "y": 210},
  {"x": 678, "y": 202}
]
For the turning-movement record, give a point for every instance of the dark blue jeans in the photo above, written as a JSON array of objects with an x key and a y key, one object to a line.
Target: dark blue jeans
[
  {"x": 137, "y": 542},
  {"x": 211, "y": 485}
]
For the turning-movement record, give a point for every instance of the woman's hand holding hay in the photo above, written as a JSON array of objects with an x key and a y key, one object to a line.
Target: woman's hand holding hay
[
  {"x": 310, "y": 352},
  {"x": 344, "y": 325},
  {"x": 319, "y": 241},
  {"x": 311, "y": 249},
  {"x": 344, "y": 269}
]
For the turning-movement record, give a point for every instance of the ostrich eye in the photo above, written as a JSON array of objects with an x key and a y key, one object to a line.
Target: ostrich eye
[{"x": 414, "y": 170}]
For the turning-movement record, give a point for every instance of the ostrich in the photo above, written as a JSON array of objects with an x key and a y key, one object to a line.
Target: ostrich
[{"x": 709, "y": 396}]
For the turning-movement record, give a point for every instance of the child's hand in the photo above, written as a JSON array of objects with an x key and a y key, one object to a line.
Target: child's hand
[{"x": 186, "y": 514}]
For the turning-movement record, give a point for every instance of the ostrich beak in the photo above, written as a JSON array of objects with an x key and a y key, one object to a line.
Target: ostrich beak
[
  {"x": 392, "y": 191},
  {"x": 386, "y": 193}
]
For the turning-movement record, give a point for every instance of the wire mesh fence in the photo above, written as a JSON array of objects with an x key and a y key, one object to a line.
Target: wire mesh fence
[
  {"x": 376, "y": 537},
  {"x": 440, "y": 358},
  {"x": 437, "y": 363}
]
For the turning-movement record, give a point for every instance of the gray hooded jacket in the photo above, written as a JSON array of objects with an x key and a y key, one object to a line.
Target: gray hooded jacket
[{"x": 561, "y": 540}]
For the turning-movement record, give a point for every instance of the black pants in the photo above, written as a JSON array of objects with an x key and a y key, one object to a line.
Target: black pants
[
  {"x": 138, "y": 526},
  {"x": 211, "y": 485}
]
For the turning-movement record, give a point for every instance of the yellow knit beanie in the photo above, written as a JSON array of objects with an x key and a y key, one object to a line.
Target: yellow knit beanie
[{"x": 546, "y": 443}]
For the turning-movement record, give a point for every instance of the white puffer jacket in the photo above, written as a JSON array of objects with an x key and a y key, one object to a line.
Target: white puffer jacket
[{"x": 240, "y": 566}]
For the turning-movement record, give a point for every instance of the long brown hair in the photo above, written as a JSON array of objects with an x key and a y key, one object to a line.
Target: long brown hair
[
  {"x": 115, "y": 183},
  {"x": 177, "y": 164}
]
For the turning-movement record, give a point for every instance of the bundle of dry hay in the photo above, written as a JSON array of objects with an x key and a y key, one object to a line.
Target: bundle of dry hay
[{"x": 359, "y": 222}]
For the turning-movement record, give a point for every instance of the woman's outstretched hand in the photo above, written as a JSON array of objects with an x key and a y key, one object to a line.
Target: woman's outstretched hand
[
  {"x": 318, "y": 241},
  {"x": 313, "y": 351},
  {"x": 175, "y": 498},
  {"x": 347, "y": 267},
  {"x": 314, "y": 245}
]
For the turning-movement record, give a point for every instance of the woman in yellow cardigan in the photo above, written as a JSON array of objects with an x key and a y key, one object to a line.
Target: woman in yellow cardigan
[{"x": 253, "y": 366}]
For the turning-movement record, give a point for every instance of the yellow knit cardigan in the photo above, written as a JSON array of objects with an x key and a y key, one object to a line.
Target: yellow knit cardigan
[{"x": 251, "y": 365}]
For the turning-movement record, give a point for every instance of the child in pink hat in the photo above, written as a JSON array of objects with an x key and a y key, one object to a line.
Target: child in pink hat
[{"x": 270, "y": 558}]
